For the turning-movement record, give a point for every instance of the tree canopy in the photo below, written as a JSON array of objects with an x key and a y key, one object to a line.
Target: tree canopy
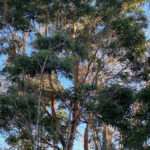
[{"x": 97, "y": 46}]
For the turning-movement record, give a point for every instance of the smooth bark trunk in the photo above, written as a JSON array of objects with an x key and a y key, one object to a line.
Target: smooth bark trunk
[
  {"x": 75, "y": 110},
  {"x": 24, "y": 42},
  {"x": 86, "y": 135}
]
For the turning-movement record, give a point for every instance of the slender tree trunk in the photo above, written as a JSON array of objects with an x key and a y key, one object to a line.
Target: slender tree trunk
[
  {"x": 46, "y": 29},
  {"x": 37, "y": 144},
  {"x": 86, "y": 135},
  {"x": 96, "y": 141},
  {"x": 54, "y": 116},
  {"x": 75, "y": 110},
  {"x": 109, "y": 136},
  {"x": 14, "y": 38},
  {"x": 52, "y": 96},
  {"x": 25, "y": 34},
  {"x": 34, "y": 146},
  {"x": 73, "y": 127},
  {"x": 104, "y": 145},
  {"x": 120, "y": 140}
]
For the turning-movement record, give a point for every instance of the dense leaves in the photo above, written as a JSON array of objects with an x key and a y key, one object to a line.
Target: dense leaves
[
  {"x": 92, "y": 45},
  {"x": 42, "y": 62},
  {"x": 114, "y": 105}
]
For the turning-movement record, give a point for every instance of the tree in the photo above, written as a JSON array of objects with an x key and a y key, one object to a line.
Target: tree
[{"x": 97, "y": 45}]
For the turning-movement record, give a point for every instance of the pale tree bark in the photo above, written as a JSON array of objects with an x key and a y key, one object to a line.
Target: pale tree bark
[
  {"x": 109, "y": 136},
  {"x": 25, "y": 35},
  {"x": 96, "y": 139},
  {"x": 104, "y": 139},
  {"x": 14, "y": 39},
  {"x": 86, "y": 133},
  {"x": 46, "y": 29}
]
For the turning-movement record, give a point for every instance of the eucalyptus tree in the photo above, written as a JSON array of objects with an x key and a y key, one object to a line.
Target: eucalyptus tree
[{"x": 95, "y": 45}]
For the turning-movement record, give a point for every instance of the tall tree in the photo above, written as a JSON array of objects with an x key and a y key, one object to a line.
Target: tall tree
[{"x": 98, "y": 46}]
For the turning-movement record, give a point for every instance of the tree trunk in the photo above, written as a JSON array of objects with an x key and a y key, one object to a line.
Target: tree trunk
[
  {"x": 73, "y": 127},
  {"x": 24, "y": 42},
  {"x": 54, "y": 116},
  {"x": 104, "y": 145},
  {"x": 96, "y": 141},
  {"x": 75, "y": 110},
  {"x": 46, "y": 29},
  {"x": 86, "y": 135}
]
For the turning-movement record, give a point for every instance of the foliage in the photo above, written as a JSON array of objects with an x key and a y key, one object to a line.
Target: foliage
[{"x": 95, "y": 45}]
